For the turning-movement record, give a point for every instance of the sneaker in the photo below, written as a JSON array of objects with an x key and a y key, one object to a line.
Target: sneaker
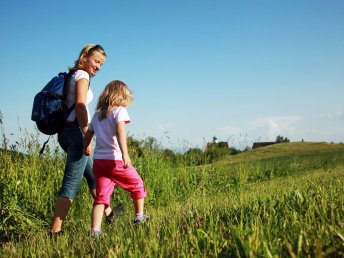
[
  {"x": 118, "y": 211},
  {"x": 96, "y": 234},
  {"x": 140, "y": 220}
]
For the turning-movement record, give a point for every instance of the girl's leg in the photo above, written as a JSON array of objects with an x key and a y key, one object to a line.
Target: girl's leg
[
  {"x": 138, "y": 205},
  {"x": 105, "y": 187},
  {"x": 108, "y": 210},
  {"x": 139, "y": 216},
  {"x": 91, "y": 181},
  {"x": 129, "y": 180},
  {"x": 97, "y": 215}
]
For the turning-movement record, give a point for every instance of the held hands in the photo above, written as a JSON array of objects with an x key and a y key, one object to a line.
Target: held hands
[
  {"x": 88, "y": 135},
  {"x": 88, "y": 150}
]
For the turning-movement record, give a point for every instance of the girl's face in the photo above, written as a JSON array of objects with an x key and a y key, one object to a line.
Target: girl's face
[{"x": 93, "y": 63}]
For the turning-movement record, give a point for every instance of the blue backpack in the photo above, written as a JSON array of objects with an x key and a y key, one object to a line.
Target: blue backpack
[{"x": 49, "y": 109}]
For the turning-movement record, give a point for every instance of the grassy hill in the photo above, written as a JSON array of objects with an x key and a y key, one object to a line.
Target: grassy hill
[
  {"x": 276, "y": 201},
  {"x": 283, "y": 149}
]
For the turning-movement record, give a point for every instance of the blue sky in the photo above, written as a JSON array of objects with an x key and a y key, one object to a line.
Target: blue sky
[{"x": 242, "y": 71}]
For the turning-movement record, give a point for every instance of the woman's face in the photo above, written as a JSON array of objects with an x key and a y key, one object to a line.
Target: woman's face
[{"x": 93, "y": 63}]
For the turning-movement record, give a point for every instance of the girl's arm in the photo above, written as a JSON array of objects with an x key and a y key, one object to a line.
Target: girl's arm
[
  {"x": 80, "y": 103},
  {"x": 87, "y": 142},
  {"x": 122, "y": 141}
]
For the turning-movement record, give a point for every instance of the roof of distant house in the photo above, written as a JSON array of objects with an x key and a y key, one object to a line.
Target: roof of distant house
[{"x": 261, "y": 144}]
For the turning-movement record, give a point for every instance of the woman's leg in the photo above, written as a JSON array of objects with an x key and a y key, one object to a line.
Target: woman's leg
[
  {"x": 61, "y": 209},
  {"x": 70, "y": 140}
]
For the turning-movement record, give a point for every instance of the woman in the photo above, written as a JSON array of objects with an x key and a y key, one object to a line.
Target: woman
[{"x": 70, "y": 138}]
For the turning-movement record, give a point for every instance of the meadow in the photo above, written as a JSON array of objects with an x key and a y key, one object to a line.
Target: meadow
[{"x": 283, "y": 200}]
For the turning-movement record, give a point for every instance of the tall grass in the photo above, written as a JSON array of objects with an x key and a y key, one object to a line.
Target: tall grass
[{"x": 287, "y": 205}]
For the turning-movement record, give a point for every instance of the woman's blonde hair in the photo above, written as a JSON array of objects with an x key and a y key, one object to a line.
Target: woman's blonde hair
[
  {"x": 115, "y": 94},
  {"x": 86, "y": 52}
]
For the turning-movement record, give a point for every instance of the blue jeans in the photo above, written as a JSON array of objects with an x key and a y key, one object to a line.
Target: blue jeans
[{"x": 77, "y": 164}]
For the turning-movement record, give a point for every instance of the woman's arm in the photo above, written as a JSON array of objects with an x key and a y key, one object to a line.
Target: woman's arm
[
  {"x": 122, "y": 141},
  {"x": 81, "y": 89}
]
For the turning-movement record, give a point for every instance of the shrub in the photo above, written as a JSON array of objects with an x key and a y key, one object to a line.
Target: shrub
[{"x": 194, "y": 156}]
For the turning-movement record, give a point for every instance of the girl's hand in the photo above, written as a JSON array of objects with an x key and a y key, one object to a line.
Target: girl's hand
[
  {"x": 127, "y": 161},
  {"x": 122, "y": 141}
]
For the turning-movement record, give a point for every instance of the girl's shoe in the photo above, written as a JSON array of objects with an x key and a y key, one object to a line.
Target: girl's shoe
[
  {"x": 110, "y": 218},
  {"x": 96, "y": 234},
  {"x": 116, "y": 212},
  {"x": 140, "y": 220}
]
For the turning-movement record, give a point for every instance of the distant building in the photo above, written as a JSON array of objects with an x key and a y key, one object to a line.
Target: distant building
[
  {"x": 223, "y": 145},
  {"x": 261, "y": 144}
]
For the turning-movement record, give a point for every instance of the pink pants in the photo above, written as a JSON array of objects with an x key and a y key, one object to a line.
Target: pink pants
[{"x": 108, "y": 173}]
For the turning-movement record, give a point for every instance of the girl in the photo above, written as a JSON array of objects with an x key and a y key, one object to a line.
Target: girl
[
  {"x": 70, "y": 138},
  {"x": 112, "y": 164}
]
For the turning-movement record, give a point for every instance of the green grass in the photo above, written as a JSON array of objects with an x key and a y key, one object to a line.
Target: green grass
[
  {"x": 283, "y": 149},
  {"x": 284, "y": 200}
]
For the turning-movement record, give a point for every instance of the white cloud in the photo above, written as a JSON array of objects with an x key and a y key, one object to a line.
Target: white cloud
[
  {"x": 308, "y": 127},
  {"x": 270, "y": 127},
  {"x": 334, "y": 114},
  {"x": 263, "y": 129}
]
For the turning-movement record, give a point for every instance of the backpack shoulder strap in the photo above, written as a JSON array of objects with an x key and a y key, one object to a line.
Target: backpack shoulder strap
[{"x": 66, "y": 86}]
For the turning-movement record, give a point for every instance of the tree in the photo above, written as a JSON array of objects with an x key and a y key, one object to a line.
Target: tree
[{"x": 280, "y": 139}]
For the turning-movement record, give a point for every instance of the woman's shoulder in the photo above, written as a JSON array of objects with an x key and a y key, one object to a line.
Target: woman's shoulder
[{"x": 81, "y": 74}]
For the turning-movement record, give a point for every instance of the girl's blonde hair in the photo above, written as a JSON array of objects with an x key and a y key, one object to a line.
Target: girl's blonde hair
[
  {"x": 86, "y": 52},
  {"x": 115, "y": 94}
]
